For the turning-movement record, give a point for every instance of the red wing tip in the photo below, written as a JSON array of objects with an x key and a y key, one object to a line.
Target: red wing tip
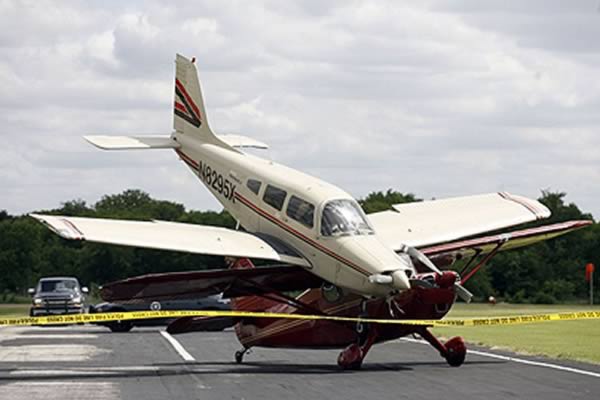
[{"x": 582, "y": 222}]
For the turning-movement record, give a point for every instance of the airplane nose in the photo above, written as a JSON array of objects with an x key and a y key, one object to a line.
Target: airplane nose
[{"x": 400, "y": 280}]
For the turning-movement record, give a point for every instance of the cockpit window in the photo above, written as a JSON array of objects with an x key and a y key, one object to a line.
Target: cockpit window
[
  {"x": 253, "y": 185},
  {"x": 344, "y": 217},
  {"x": 274, "y": 197},
  {"x": 301, "y": 211}
]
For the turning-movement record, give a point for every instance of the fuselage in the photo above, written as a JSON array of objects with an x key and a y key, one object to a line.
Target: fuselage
[
  {"x": 417, "y": 303},
  {"x": 312, "y": 218}
]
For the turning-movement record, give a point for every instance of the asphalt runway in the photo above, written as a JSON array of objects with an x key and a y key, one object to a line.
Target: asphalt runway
[{"x": 90, "y": 363}]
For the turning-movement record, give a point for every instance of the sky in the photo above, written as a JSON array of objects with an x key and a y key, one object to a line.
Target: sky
[{"x": 436, "y": 98}]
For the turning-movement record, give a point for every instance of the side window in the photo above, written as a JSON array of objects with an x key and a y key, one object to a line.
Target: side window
[
  {"x": 274, "y": 197},
  {"x": 253, "y": 185},
  {"x": 301, "y": 211}
]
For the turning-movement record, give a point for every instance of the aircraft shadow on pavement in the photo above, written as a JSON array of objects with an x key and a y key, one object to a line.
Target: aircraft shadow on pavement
[{"x": 204, "y": 368}]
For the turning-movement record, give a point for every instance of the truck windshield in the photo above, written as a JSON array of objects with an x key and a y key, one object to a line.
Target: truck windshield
[
  {"x": 344, "y": 217},
  {"x": 58, "y": 285}
]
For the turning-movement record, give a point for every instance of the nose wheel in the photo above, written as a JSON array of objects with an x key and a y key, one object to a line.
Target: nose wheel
[{"x": 239, "y": 355}]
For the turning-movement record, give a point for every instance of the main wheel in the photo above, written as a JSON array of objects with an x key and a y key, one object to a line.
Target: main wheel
[
  {"x": 120, "y": 326},
  {"x": 239, "y": 356},
  {"x": 351, "y": 357},
  {"x": 457, "y": 351}
]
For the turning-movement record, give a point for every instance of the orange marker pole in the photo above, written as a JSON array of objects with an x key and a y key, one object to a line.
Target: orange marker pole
[{"x": 589, "y": 276}]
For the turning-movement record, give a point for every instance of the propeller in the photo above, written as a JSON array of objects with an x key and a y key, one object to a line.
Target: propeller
[{"x": 423, "y": 259}]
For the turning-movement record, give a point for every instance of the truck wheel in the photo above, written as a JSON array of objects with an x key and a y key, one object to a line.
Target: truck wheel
[{"x": 120, "y": 326}]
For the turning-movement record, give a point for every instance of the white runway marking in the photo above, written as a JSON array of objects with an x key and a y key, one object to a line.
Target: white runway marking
[
  {"x": 47, "y": 336},
  {"x": 535, "y": 363},
  {"x": 519, "y": 360},
  {"x": 61, "y": 390},
  {"x": 78, "y": 371},
  {"x": 47, "y": 352},
  {"x": 177, "y": 346}
]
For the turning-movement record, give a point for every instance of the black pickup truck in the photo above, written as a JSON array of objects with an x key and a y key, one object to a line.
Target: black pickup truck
[{"x": 57, "y": 295}]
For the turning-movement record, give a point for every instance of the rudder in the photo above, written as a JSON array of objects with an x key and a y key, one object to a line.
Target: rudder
[{"x": 189, "y": 111}]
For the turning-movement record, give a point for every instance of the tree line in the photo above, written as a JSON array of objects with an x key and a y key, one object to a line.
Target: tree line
[{"x": 548, "y": 272}]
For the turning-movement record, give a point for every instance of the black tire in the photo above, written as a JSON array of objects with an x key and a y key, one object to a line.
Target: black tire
[
  {"x": 456, "y": 352},
  {"x": 120, "y": 326},
  {"x": 456, "y": 359},
  {"x": 239, "y": 356},
  {"x": 355, "y": 366}
]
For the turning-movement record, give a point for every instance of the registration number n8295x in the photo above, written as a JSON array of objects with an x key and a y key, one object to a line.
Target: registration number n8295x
[{"x": 216, "y": 181}]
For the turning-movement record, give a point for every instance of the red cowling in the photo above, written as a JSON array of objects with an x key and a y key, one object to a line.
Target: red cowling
[{"x": 446, "y": 279}]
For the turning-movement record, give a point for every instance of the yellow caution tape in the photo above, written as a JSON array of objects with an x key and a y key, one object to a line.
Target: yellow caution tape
[{"x": 136, "y": 315}]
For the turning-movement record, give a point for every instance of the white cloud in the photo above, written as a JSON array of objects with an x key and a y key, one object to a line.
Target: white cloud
[{"x": 437, "y": 98}]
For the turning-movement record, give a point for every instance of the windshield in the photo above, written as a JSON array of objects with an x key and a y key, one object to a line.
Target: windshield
[
  {"x": 344, "y": 217},
  {"x": 58, "y": 285}
]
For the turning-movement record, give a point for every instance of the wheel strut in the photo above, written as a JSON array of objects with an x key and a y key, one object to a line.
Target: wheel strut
[
  {"x": 454, "y": 350},
  {"x": 239, "y": 355}
]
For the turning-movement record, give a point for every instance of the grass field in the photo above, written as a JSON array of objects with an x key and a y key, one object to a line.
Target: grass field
[
  {"x": 573, "y": 340},
  {"x": 14, "y": 310}
]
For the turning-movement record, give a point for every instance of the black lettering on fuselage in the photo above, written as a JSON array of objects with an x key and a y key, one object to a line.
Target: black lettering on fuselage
[{"x": 215, "y": 180}]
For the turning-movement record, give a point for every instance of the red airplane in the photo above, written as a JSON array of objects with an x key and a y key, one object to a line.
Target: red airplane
[{"x": 431, "y": 296}]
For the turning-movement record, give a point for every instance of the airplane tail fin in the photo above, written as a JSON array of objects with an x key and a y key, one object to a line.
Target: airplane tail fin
[
  {"x": 189, "y": 120},
  {"x": 189, "y": 111}
]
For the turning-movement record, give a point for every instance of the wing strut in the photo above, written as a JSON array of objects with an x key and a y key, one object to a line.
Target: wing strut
[
  {"x": 487, "y": 258},
  {"x": 475, "y": 255}
]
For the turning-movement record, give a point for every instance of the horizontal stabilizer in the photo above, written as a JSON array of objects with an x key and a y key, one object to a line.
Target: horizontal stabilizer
[
  {"x": 243, "y": 142},
  {"x": 132, "y": 142}
]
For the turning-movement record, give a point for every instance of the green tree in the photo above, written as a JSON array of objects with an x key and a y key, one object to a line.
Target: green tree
[
  {"x": 381, "y": 201},
  {"x": 550, "y": 271}
]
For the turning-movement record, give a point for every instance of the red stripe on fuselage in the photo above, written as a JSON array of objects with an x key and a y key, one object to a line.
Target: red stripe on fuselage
[
  {"x": 187, "y": 159},
  {"x": 299, "y": 235}
]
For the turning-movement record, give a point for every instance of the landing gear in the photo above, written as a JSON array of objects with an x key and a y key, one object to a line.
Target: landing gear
[
  {"x": 457, "y": 351},
  {"x": 120, "y": 326},
  {"x": 454, "y": 350},
  {"x": 239, "y": 355},
  {"x": 351, "y": 357}
]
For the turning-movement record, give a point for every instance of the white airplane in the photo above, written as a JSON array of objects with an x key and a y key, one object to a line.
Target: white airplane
[{"x": 295, "y": 218}]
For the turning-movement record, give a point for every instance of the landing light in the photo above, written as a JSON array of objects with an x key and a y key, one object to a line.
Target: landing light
[{"x": 381, "y": 279}]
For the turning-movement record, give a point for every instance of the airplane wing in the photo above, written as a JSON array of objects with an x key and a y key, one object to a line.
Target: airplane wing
[
  {"x": 162, "y": 235},
  {"x": 445, "y": 253},
  {"x": 195, "y": 284},
  {"x": 426, "y": 223}
]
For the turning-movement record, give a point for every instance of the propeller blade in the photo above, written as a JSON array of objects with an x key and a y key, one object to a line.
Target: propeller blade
[
  {"x": 463, "y": 293},
  {"x": 423, "y": 259}
]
